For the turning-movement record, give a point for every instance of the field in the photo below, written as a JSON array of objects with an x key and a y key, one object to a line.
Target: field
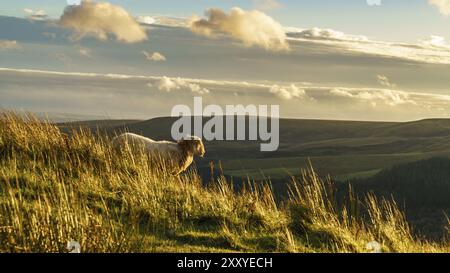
[{"x": 57, "y": 188}]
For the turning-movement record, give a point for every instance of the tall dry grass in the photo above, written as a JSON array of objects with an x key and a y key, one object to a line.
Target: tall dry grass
[{"x": 56, "y": 188}]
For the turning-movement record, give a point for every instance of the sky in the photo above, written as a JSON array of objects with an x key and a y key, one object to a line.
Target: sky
[
  {"x": 318, "y": 59},
  {"x": 392, "y": 20}
]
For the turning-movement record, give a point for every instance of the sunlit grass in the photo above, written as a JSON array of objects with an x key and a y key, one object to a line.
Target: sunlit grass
[{"x": 56, "y": 188}]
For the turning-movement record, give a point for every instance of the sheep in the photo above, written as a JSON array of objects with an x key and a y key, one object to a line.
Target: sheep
[{"x": 177, "y": 156}]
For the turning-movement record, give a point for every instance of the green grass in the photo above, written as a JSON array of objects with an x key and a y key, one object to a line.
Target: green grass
[
  {"x": 336, "y": 166},
  {"x": 357, "y": 175},
  {"x": 55, "y": 188}
]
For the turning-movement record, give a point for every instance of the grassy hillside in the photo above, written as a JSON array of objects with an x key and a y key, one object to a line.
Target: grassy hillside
[
  {"x": 56, "y": 188},
  {"x": 342, "y": 149}
]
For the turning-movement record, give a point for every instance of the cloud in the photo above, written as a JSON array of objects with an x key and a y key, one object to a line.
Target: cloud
[
  {"x": 146, "y": 20},
  {"x": 163, "y": 21},
  {"x": 319, "y": 95},
  {"x": 384, "y": 81},
  {"x": 252, "y": 28},
  {"x": 169, "y": 84},
  {"x": 436, "y": 41},
  {"x": 49, "y": 35},
  {"x": 373, "y": 3},
  {"x": 433, "y": 50},
  {"x": 266, "y": 4},
  {"x": 101, "y": 19},
  {"x": 324, "y": 34},
  {"x": 8, "y": 45},
  {"x": 374, "y": 96},
  {"x": 287, "y": 92},
  {"x": 83, "y": 51},
  {"x": 128, "y": 96},
  {"x": 346, "y": 95},
  {"x": 442, "y": 5},
  {"x": 36, "y": 15},
  {"x": 155, "y": 56}
]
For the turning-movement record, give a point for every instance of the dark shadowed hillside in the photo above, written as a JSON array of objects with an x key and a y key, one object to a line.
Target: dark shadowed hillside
[{"x": 422, "y": 188}]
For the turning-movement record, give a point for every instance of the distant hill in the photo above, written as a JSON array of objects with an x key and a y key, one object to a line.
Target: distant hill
[
  {"x": 422, "y": 187},
  {"x": 418, "y": 184},
  {"x": 343, "y": 149},
  {"x": 61, "y": 118},
  {"x": 95, "y": 124}
]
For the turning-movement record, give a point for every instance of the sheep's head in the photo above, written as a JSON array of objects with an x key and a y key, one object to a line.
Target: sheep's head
[{"x": 193, "y": 145}]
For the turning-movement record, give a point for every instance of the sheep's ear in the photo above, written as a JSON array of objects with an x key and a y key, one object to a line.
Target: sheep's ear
[
  {"x": 198, "y": 143},
  {"x": 183, "y": 143}
]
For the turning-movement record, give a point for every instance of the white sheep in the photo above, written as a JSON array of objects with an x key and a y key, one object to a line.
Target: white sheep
[{"x": 177, "y": 156}]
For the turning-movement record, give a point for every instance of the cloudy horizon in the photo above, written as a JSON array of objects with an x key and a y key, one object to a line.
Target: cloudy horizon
[{"x": 120, "y": 60}]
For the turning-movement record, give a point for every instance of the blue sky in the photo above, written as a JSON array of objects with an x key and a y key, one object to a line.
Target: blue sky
[{"x": 406, "y": 20}]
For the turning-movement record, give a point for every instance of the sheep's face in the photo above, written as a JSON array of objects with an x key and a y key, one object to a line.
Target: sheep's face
[
  {"x": 199, "y": 148},
  {"x": 193, "y": 145}
]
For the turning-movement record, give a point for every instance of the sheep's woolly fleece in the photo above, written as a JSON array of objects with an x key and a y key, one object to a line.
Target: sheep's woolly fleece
[{"x": 174, "y": 158}]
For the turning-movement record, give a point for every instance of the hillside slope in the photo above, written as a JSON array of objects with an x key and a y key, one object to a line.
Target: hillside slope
[{"x": 56, "y": 189}]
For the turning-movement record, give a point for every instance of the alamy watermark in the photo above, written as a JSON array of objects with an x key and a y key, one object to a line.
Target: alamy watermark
[
  {"x": 241, "y": 122},
  {"x": 373, "y": 2}
]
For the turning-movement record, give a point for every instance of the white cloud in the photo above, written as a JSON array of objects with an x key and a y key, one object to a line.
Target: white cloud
[
  {"x": 172, "y": 21},
  {"x": 436, "y": 41},
  {"x": 337, "y": 95},
  {"x": 146, "y": 20},
  {"x": 73, "y": 2},
  {"x": 169, "y": 84},
  {"x": 101, "y": 19},
  {"x": 373, "y": 3},
  {"x": 129, "y": 93},
  {"x": 324, "y": 34},
  {"x": 384, "y": 81},
  {"x": 432, "y": 50},
  {"x": 163, "y": 21},
  {"x": 266, "y": 4},
  {"x": 287, "y": 92},
  {"x": 442, "y": 5},
  {"x": 7, "y": 45},
  {"x": 252, "y": 28},
  {"x": 155, "y": 56},
  {"x": 83, "y": 51},
  {"x": 36, "y": 15},
  {"x": 374, "y": 96}
]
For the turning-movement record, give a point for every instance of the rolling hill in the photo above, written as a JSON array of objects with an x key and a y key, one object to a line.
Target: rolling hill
[{"x": 342, "y": 149}]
